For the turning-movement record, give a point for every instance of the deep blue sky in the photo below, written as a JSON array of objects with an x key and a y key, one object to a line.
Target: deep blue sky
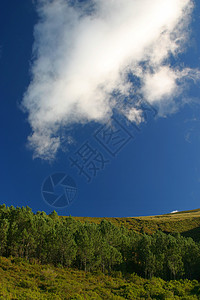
[{"x": 156, "y": 173}]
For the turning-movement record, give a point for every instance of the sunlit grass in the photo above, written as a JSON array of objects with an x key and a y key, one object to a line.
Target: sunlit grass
[
  {"x": 20, "y": 279},
  {"x": 185, "y": 222}
]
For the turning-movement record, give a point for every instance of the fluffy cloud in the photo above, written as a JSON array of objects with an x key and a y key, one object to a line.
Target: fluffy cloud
[{"x": 84, "y": 54}]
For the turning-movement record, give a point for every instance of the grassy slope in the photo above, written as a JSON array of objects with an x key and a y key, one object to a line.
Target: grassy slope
[
  {"x": 22, "y": 280},
  {"x": 185, "y": 222}
]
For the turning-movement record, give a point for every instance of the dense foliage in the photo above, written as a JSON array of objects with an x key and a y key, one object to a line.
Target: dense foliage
[
  {"x": 49, "y": 239},
  {"x": 20, "y": 279}
]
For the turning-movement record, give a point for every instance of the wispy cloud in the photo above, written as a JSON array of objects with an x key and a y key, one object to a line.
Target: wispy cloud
[{"x": 84, "y": 54}]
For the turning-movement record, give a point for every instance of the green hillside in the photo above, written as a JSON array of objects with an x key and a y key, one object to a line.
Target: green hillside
[
  {"x": 186, "y": 222},
  {"x": 21, "y": 280},
  {"x": 50, "y": 257}
]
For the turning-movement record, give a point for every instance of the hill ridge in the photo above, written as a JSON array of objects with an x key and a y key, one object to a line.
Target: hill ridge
[{"x": 185, "y": 222}]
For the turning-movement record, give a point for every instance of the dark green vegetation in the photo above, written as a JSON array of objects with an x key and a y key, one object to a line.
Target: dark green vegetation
[
  {"x": 21, "y": 280},
  {"x": 52, "y": 257}
]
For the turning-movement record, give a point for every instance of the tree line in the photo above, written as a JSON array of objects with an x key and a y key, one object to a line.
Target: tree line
[{"x": 96, "y": 247}]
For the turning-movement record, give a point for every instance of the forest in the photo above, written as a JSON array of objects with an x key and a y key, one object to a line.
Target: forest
[{"x": 103, "y": 247}]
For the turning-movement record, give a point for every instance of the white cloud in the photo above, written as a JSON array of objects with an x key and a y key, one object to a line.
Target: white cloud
[
  {"x": 84, "y": 51},
  {"x": 134, "y": 115},
  {"x": 159, "y": 85},
  {"x": 174, "y": 211}
]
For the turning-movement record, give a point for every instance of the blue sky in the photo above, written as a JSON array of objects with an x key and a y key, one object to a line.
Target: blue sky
[{"x": 156, "y": 173}]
